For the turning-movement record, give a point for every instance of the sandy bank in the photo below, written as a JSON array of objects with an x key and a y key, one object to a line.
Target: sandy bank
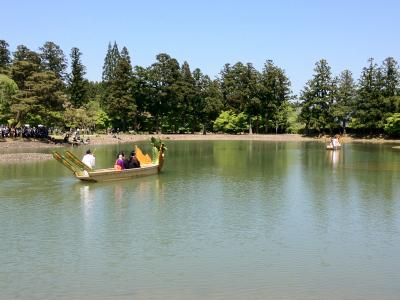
[
  {"x": 103, "y": 139},
  {"x": 23, "y": 157}
]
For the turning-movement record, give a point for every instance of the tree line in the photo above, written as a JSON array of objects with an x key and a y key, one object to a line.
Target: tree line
[{"x": 168, "y": 97}]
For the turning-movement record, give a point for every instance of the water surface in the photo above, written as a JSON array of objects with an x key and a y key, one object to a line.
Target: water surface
[{"x": 225, "y": 220}]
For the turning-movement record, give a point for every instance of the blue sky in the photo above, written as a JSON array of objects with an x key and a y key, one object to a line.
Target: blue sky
[{"x": 208, "y": 34}]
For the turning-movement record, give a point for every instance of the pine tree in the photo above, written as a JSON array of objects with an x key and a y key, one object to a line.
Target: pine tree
[
  {"x": 318, "y": 96},
  {"x": 110, "y": 62},
  {"x": 213, "y": 103},
  {"x": 42, "y": 100},
  {"x": 53, "y": 59},
  {"x": 5, "y": 59},
  {"x": 345, "y": 99},
  {"x": 77, "y": 84},
  {"x": 164, "y": 77},
  {"x": 240, "y": 89},
  {"x": 390, "y": 77},
  {"x": 370, "y": 107},
  {"x": 121, "y": 106},
  {"x": 25, "y": 63},
  {"x": 185, "y": 110},
  {"x": 40, "y": 95},
  {"x": 8, "y": 92},
  {"x": 274, "y": 95}
]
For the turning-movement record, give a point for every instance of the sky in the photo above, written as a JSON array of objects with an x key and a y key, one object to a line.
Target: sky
[{"x": 208, "y": 34}]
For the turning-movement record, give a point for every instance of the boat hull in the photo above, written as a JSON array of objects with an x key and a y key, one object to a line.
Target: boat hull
[
  {"x": 112, "y": 174},
  {"x": 333, "y": 148}
]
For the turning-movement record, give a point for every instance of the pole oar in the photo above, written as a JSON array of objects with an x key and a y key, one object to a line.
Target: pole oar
[
  {"x": 66, "y": 162},
  {"x": 74, "y": 160}
]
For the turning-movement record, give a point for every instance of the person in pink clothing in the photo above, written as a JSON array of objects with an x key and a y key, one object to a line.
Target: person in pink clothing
[{"x": 119, "y": 163}]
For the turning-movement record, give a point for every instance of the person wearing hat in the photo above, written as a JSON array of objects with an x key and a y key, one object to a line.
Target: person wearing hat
[
  {"x": 133, "y": 162},
  {"x": 89, "y": 159}
]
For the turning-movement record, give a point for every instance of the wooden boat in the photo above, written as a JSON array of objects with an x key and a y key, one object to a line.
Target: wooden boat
[
  {"x": 334, "y": 144},
  {"x": 148, "y": 166},
  {"x": 331, "y": 147}
]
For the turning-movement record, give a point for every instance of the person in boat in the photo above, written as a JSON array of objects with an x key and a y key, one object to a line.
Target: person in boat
[
  {"x": 335, "y": 142},
  {"x": 133, "y": 162},
  {"x": 120, "y": 163},
  {"x": 89, "y": 159}
]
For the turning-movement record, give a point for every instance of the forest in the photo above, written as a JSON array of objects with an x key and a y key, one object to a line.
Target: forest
[{"x": 46, "y": 87}]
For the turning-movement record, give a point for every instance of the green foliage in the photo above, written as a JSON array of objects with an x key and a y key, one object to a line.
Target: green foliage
[
  {"x": 229, "y": 122},
  {"x": 120, "y": 105},
  {"x": 239, "y": 85},
  {"x": 53, "y": 59},
  {"x": 5, "y": 58},
  {"x": 274, "y": 95},
  {"x": 90, "y": 116},
  {"x": 169, "y": 97},
  {"x": 293, "y": 123},
  {"x": 110, "y": 62},
  {"x": 41, "y": 102},
  {"x": 77, "y": 84},
  {"x": 392, "y": 125},
  {"x": 8, "y": 92},
  {"x": 318, "y": 96},
  {"x": 164, "y": 77},
  {"x": 370, "y": 106},
  {"x": 98, "y": 119},
  {"x": 345, "y": 99},
  {"x": 25, "y": 63}
]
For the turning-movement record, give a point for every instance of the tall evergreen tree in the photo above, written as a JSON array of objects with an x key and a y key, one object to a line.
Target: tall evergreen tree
[
  {"x": 41, "y": 102},
  {"x": 25, "y": 63},
  {"x": 185, "y": 110},
  {"x": 39, "y": 99},
  {"x": 121, "y": 106},
  {"x": 110, "y": 62},
  {"x": 5, "y": 58},
  {"x": 77, "y": 84},
  {"x": 8, "y": 93},
  {"x": 53, "y": 59},
  {"x": 164, "y": 78},
  {"x": 275, "y": 93},
  {"x": 345, "y": 99},
  {"x": 370, "y": 106},
  {"x": 239, "y": 85},
  {"x": 390, "y": 77},
  {"x": 210, "y": 100},
  {"x": 318, "y": 96}
]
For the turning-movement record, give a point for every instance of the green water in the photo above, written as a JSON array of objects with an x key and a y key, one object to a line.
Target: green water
[{"x": 225, "y": 220}]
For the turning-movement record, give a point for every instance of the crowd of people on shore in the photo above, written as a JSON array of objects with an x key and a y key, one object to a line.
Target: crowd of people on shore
[{"x": 25, "y": 132}]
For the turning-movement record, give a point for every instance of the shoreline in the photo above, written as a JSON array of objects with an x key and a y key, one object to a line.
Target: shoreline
[
  {"x": 106, "y": 139},
  {"x": 103, "y": 139}
]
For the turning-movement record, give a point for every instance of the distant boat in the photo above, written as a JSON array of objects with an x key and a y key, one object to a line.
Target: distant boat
[
  {"x": 334, "y": 144},
  {"x": 331, "y": 147},
  {"x": 148, "y": 166}
]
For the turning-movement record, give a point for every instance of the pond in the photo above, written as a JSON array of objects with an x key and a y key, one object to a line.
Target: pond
[{"x": 224, "y": 220}]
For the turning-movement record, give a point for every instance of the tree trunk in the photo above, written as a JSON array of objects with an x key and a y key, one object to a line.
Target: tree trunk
[
  {"x": 193, "y": 125},
  {"x": 266, "y": 122},
  {"x": 157, "y": 123},
  {"x": 344, "y": 126},
  {"x": 250, "y": 126}
]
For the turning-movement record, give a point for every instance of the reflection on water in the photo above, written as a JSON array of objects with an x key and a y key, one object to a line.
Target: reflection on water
[
  {"x": 87, "y": 199},
  {"x": 225, "y": 220},
  {"x": 334, "y": 156}
]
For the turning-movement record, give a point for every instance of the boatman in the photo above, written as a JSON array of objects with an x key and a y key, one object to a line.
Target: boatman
[{"x": 89, "y": 159}]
